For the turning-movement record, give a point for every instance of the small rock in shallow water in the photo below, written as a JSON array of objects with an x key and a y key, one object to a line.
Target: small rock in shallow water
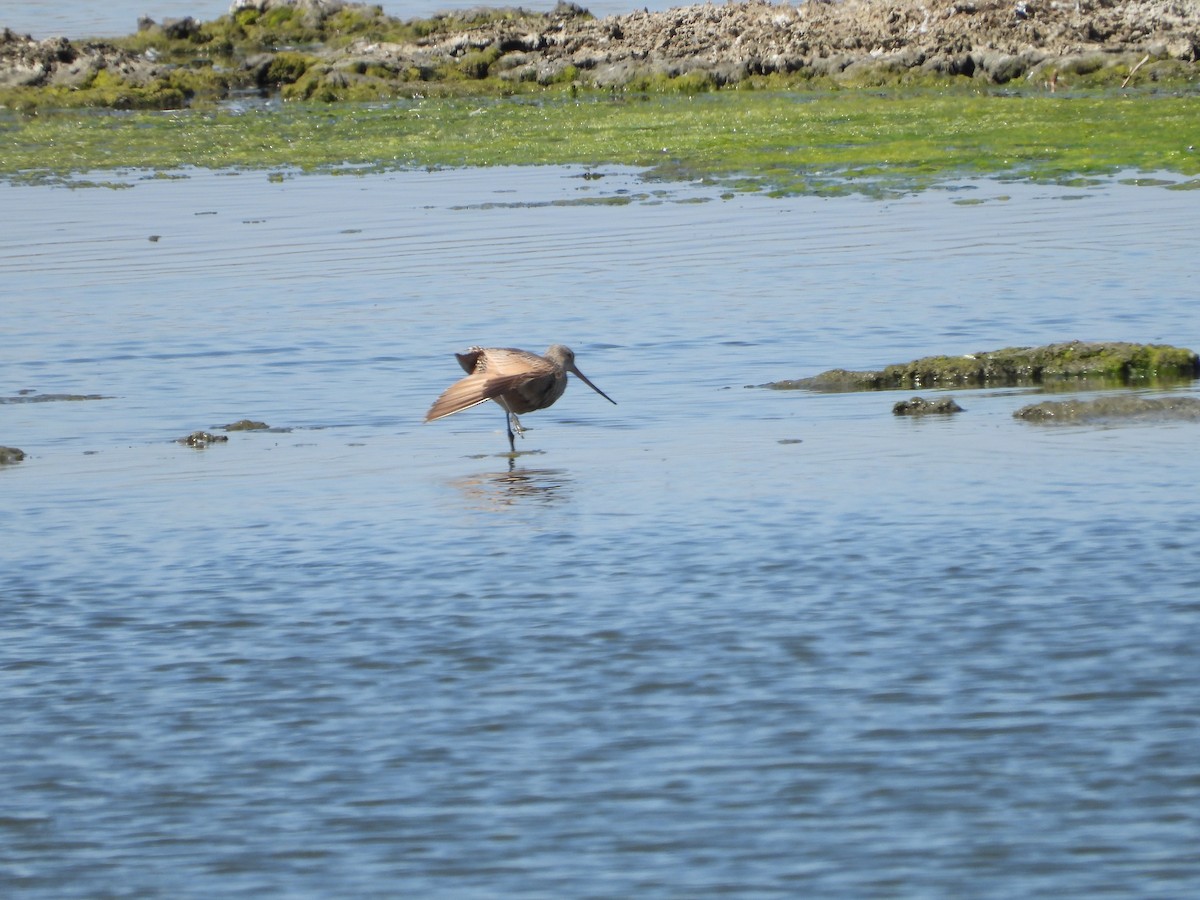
[
  {"x": 245, "y": 425},
  {"x": 919, "y": 406},
  {"x": 202, "y": 439},
  {"x": 10, "y": 455},
  {"x": 1112, "y": 409}
]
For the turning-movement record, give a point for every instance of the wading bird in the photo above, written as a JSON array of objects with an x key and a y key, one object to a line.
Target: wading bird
[{"x": 519, "y": 381}]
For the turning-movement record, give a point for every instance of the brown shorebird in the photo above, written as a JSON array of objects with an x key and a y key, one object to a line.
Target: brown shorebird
[{"x": 518, "y": 380}]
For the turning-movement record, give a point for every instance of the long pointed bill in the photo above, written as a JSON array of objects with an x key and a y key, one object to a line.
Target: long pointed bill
[{"x": 574, "y": 371}]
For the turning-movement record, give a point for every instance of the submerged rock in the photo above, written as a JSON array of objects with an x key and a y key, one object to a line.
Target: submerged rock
[
  {"x": 1100, "y": 364},
  {"x": 1116, "y": 408},
  {"x": 31, "y": 397},
  {"x": 201, "y": 439},
  {"x": 919, "y": 406},
  {"x": 9, "y": 455},
  {"x": 245, "y": 425}
]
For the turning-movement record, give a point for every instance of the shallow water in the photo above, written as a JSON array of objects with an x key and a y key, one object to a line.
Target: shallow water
[{"x": 714, "y": 640}]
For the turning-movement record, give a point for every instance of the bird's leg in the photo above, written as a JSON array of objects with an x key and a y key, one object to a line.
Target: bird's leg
[{"x": 513, "y": 424}]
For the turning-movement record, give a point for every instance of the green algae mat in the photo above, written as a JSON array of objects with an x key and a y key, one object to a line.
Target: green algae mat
[{"x": 781, "y": 141}]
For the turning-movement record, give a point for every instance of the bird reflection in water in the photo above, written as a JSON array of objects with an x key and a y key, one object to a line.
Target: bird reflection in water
[{"x": 516, "y": 487}]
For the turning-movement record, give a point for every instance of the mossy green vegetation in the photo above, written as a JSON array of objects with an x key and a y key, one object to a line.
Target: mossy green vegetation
[
  {"x": 205, "y": 74},
  {"x": 299, "y": 52},
  {"x": 249, "y": 30},
  {"x": 782, "y": 141}
]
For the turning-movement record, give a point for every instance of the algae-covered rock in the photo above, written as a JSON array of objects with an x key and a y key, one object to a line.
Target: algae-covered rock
[
  {"x": 1090, "y": 364},
  {"x": 201, "y": 439},
  {"x": 919, "y": 406},
  {"x": 705, "y": 46},
  {"x": 9, "y": 455},
  {"x": 245, "y": 425},
  {"x": 1117, "y": 408}
]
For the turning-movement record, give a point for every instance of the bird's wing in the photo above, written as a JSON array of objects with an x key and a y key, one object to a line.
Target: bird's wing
[
  {"x": 473, "y": 390},
  {"x": 510, "y": 361},
  {"x": 470, "y": 359}
]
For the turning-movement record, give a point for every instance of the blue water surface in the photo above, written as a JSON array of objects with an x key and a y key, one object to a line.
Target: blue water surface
[{"x": 713, "y": 641}]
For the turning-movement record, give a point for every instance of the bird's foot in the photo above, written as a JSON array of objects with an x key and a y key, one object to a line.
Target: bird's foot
[{"x": 516, "y": 425}]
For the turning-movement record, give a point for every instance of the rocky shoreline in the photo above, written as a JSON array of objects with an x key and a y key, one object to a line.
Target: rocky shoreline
[{"x": 333, "y": 50}]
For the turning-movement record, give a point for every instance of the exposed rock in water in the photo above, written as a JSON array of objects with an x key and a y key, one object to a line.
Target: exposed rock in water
[
  {"x": 919, "y": 406},
  {"x": 1112, "y": 409},
  {"x": 31, "y": 397},
  {"x": 9, "y": 455},
  {"x": 201, "y": 439},
  {"x": 58, "y": 62},
  {"x": 1098, "y": 364},
  {"x": 245, "y": 425}
]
